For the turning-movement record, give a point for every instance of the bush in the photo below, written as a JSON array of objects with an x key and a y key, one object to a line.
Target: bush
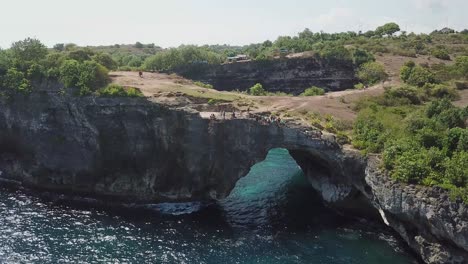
[
  {"x": 416, "y": 75},
  {"x": 115, "y": 90},
  {"x": 441, "y": 91},
  {"x": 461, "y": 67},
  {"x": 69, "y": 73},
  {"x": 26, "y": 52},
  {"x": 361, "y": 56},
  {"x": 335, "y": 53},
  {"x": 313, "y": 91},
  {"x": 88, "y": 75},
  {"x": 359, "y": 86},
  {"x": 16, "y": 81},
  {"x": 183, "y": 56},
  {"x": 411, "y": 93},
  {"x": 204, "y": 85},
  {"x": 92, "y": 75},
  {"x": 411, "y": 167},
  {"x": 371, "y": 73},
  {"x": 457, "y": 169},
  {"x": 440, "y": 53},
  {"x": 257, "y": 90},
  {"x": 368, "y": 132},
  {"x": 105, "y": 60}
]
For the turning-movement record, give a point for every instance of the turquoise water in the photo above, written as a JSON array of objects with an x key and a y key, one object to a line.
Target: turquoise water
[{"x": 272, "y": 216}]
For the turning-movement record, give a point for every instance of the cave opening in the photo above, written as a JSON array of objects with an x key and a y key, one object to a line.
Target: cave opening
[{"x": 287, "y": 188}]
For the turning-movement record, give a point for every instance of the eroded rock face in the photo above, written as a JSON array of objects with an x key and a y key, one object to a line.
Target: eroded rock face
[
  {"x": 287, "y": 75},
  {"x": 431, "y": 224},
  {"x": 137, "y": 150}
]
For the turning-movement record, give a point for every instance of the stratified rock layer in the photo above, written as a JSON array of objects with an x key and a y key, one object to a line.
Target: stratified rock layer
[{"x": 286, "y": 75}]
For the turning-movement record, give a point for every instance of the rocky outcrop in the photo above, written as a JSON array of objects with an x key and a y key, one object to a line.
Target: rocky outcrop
[
  {"x": 138, "y": 150},
  {"x": 286, "y": 75},
  {"x": 431, "y": 224}
]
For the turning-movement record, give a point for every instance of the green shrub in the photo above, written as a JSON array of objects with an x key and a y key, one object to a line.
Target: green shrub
[
  {"x": 204, "y": 85},
  {"x": 134, "y": 92},
  {"x": 461, "y": 67},
  {"x": 92, "y": 75},
  {"x": 368, "y": 132},
  {"x": 440, "y": 53},
  {"x": 457, "y": 169},
  {"x": 257, "y": 90},
  {"x": 359, "y": 86},
  {"x": 105, "y": 60},
  {"x": 313, "y": 91},
  {"x": 411, "y": 93},
  {"x": 371, "y": 73},
  {"x": 416, "y": 75},
  {"x": 441, "y": 91},
  {"x": 411, "y": 167},
  {"x": 335, "y": 53},
  {"x": 115, "y": 90},
  {"x": 361, "y": 56},
  {"x": 15, "y": 81}
]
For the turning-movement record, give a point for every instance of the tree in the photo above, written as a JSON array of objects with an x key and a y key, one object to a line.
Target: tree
[
  {"x": 5, "y": 62},
  {"x": 15, "y": 80},
  {"x": 257, "y": 90},
  {"x": 105, "y": 60},
  {"x": 138, "y": 45},
  {"x": 81, "y": 54},
  {"x": 59, "y": 47},
  {"x": 416, "y": 75},
  {"x": 419, "y": 76},
  {"x": 335, "y": 53},
  {"x": 361, "y": 56},
  {"x": 371, "y": 73},
  {"x": 27, "y": 51},
  {"x": 387, "y": 29},
  {"x": 69, "y": 73},
  {"x": 92, "y": 75}
]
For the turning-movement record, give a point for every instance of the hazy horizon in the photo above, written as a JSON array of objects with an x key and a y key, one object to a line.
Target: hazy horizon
[{"x": 169, "y": 24}]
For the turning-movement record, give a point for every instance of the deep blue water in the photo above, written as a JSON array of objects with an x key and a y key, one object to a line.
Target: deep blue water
[{"x": 272, "y": 216}]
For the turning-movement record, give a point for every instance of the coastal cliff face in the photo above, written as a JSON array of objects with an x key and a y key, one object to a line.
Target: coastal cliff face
[
  {"x": 433, "y": 226},
  {"x": 138, "y": 150},
  {"x": 286, "y": 75}
]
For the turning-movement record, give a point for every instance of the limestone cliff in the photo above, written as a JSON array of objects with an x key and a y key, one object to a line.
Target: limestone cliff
[
  {"x": 287, "y": 75},
  {"x": 138, "y": 150},
  {"x": 133, "y": 148}
]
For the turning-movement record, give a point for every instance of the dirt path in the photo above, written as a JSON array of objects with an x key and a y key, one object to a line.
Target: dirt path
[{"x": 172, "y": 89}]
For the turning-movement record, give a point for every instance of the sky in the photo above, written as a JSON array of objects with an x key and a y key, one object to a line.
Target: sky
[{"x": 169, "y": 23}]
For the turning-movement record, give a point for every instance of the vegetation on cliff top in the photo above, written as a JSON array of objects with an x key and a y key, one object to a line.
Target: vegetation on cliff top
[
  {"x": 28, "y": 63},
  {"x": 422, "y": 136}
]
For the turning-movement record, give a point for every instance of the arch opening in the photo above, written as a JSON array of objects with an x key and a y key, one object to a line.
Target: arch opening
[{"x": 294, "y": 186}]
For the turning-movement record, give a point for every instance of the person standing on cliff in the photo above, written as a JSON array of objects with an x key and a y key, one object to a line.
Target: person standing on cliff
[{"x": 140, "y": 73}]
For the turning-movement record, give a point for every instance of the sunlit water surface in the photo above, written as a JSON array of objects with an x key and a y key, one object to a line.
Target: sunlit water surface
[{"x": 272, "y": 216}]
